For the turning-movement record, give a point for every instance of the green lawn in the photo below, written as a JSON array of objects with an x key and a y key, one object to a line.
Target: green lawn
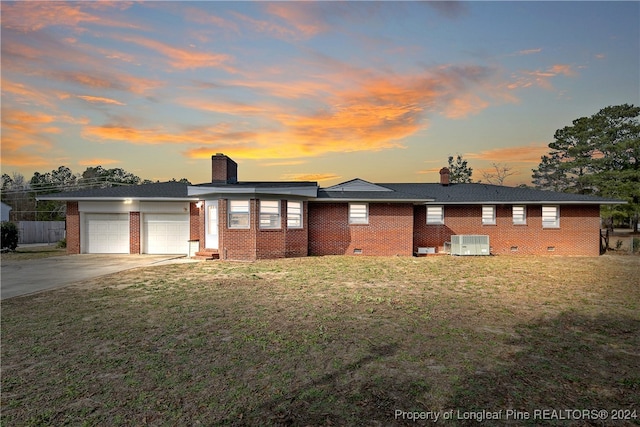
[{"x": 329, "y": 341}]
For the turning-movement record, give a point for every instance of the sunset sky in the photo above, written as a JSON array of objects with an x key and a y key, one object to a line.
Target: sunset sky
[{"x": 328, "y": 91}]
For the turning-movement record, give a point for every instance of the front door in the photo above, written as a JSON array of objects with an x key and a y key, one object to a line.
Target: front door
[{"x": 211, "y": 226}]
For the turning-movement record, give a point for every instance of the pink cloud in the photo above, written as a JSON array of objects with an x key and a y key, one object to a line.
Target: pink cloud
[
  {"x": 520, "y": 154},
  {"x": 182, "y": 59},
  {"x": 34, "y": 16},
  {"x": 99, "y": 100}
]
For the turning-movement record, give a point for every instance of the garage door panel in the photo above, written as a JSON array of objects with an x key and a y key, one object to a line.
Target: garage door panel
[
  {"x": 107, "y": 233},
  {"x": 166, "y": 233}
]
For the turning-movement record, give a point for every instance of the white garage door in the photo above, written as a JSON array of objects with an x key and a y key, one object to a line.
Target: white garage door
[
  {"x": 106, "y": 233},
  {"x": 166, "y": 233}
]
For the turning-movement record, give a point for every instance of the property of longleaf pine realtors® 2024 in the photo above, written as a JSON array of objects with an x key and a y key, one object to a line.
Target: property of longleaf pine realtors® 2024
[{"x": 515, "y": 415}]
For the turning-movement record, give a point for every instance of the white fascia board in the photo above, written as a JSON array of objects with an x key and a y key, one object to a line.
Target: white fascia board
[
  {"x": 253, "y": 191},
  {"x": 120, "y": 199}
]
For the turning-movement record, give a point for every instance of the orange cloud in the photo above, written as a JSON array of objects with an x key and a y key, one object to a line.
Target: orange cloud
[
  {"x": 464, "y": 106},
  {"x": 24, "y": 94},
  {"x": 301, "y": 16},
  {"x": 522, "y": 154},
  {"x": 429, "y": 171},
  {"x": 542, "y": 78},
  {"x": 97, "y": 161},
  {"x": 227, "y": 107},
  {"x": 358, "y": 110},
  {"x": 99, "y": 100},
  {"x": 286, "y": 163},
  {"x": 202, "y": 17},
  {"x": 22, "y": 129},
  {"x": 268, "y": 27},
  {"x": 182, "y": 59},
  {"x": 34, "y": 16},
  {"x": 309, "y": 176}
]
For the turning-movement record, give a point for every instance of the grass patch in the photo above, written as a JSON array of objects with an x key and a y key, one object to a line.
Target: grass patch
[
  {"x": 33, "y": 252},
  {"x": 325, "y": 341}
]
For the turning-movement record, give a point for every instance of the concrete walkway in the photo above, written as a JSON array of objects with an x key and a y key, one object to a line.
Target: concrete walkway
[{"x": 30, "y": 276}]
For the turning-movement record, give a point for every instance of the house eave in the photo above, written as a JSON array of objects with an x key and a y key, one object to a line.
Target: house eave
[
  {"x": 536, "y": 202},
  {"x": 121, "y": 199},
  {"x": 370, "y": 200},
  {"x": 252, "y": 191}
]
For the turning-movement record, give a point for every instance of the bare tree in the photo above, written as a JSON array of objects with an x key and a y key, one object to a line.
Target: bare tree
[{"x": 502, "y": 172}]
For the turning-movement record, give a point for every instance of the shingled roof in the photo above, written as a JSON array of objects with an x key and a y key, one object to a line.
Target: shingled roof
[
  {"x": 354, "y": 190},
  {"x": 474, "y": 193},
  {"x": 158, "y": 190}
]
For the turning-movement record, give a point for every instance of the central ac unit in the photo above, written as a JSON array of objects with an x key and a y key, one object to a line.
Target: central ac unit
[{"x": 470, "y": 245}]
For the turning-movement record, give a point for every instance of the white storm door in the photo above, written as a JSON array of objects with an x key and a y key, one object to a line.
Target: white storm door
[{"x": 211, "y": 224}]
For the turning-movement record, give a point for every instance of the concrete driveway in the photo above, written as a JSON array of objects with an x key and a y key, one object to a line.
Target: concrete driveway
[{"x": 29, "y": 276}]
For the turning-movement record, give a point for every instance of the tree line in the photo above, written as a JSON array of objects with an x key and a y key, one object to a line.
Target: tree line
[
  {"x": 20, "y": 193},
  {"x": 597, "y": 155}
]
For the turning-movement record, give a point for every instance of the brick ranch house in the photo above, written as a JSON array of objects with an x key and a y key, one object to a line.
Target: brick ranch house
[{"x": 235, "y": 220}]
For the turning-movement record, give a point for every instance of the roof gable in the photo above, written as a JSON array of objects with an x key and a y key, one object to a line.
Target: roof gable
[{"x": 357, "y": 185}]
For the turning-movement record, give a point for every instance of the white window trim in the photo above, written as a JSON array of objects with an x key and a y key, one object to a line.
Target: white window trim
[
  {"x": 489, "y": 220},
  {"x": 357, "y": 220},
  {"x": 299, "y": 215},
  {"x": 232, "y": 213},
  {"x": 556, "y": 222},
  {"x": 273, "y": 217},
  {"x": 524, "y": 215},
  {"x": 439, "y": 221}
]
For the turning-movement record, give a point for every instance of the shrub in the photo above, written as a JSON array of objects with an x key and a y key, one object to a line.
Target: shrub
[
  {"x": 62, "y": 243},
  {"x": 9, "y": 236}
]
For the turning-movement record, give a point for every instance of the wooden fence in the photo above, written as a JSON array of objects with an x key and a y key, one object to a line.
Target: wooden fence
[{"x": 40, "y": 231}]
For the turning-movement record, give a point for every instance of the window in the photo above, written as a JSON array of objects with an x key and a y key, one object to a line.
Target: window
[
  {"x": 269, "y": 214},
  {"x": 238, "y": 214},
  {"x": 294, "y": 214},
  {"x": 435, "y": 214},
  {"x": 550, "y": 217},
  {"x": 358, "y": 213},
  {"x": 519, "y": 215},
  {"x": 488, "y": 215}
]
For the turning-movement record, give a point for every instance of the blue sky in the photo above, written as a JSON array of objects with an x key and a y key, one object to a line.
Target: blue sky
[{"x": 325, "y": 91}]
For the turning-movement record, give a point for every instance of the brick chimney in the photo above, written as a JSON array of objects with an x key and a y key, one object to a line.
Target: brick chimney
[
  {"x": 223, "y": 169},
  {"x": 444, "y": 176}
]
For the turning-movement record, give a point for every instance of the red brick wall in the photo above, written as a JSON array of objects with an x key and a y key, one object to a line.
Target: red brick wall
[
  {"x": 389, "y": 232},
  {"x": 73, "y": 228},
  {"x": 297, "y": 239},
  {"x": 201, "y": 226},
  {"x": 270, "y": 243},
  {"x": 134, "y": 232},
  {"x": 194, "y": 222},
  {"x": 578, "y": 233},
  {"x": 237, "y": 244},
  {"x": 256, "y": 243}
]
